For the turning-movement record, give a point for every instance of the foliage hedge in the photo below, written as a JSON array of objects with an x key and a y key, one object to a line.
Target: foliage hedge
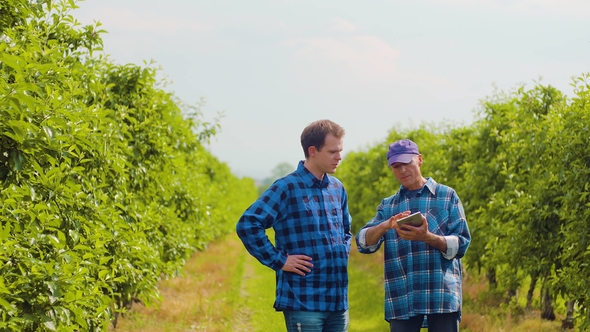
[{"x": 106, "y": 185}]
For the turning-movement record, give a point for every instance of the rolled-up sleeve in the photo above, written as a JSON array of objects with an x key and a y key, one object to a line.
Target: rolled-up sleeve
[
  {"x": 362, "y": 241},
  {"x": 361, "y": 237},
  {"x": 452, "y": 247}
]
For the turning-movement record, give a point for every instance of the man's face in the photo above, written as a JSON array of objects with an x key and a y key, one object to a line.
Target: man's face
[
  {"x": 327, "y": 159},
  {"x": 409, "y": 174}
]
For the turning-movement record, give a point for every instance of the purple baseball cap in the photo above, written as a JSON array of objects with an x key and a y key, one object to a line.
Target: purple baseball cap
[{"x": 402, "y": 151}]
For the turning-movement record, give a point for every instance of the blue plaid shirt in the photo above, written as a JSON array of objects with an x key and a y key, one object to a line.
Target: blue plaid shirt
[
  {"x": 310, "y": 217},
  {"x": 419, "y": 279}
]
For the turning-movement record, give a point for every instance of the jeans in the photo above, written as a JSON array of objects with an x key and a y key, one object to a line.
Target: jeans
[
  {"x": 436, "y": 323},
  {"x": 316, "y": 321}
]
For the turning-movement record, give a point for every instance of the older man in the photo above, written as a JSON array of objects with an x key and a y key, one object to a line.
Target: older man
[{"x": 422, "y": 263}]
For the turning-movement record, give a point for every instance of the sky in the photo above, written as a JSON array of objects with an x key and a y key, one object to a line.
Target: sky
[{"x": 266, "y": 69}]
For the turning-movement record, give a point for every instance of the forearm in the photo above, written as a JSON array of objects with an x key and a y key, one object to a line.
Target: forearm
[
  {"x": 437, "y": 241},
  {"x": 374, "y": 234},
  {"x": 266, "y": 254},
  {"x": 254, "y": 238}
]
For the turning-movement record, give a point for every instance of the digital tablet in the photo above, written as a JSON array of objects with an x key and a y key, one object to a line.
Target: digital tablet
[{"x": 414, "y": 219}]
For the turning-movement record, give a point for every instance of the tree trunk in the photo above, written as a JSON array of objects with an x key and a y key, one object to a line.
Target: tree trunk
[
  {"x": 529, "y": 295},
  {"x": 492, "y": 278},
  {"x": 568, "y": 322},
  {"x": 510, "y": 294},
  {"x": 547, "y": 310}
]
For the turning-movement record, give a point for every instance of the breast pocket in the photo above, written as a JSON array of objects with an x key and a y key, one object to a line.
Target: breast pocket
[{"x": 438, "y": 221}]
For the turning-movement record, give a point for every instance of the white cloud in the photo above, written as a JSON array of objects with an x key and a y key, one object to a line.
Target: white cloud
[
  {"x": 146, "y": 22},
  {"x": 343, "y": 25},
  {"x": 564, "y": 8},
  {"x": 555, "y": 8},
  {"x": 359, "y": 57}
]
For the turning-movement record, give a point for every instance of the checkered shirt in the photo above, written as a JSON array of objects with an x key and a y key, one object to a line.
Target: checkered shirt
[
  {"x": 309, "y": 217},
  {"x": 418, "y": 278}
]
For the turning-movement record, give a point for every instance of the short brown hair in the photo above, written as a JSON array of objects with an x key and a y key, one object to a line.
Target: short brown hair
[{"x": 315, "y": 134}]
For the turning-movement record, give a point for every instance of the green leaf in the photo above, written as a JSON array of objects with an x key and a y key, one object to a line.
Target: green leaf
[
  {"x": 18, "y": 128},
  {"x": 50, "y": 325},
  {"x": 102, "y": 274},
  {"x": 54, "y": 292},
  {"x": 7, "y": 306},
  {"x": 12, "y": 61},
  {"x": 16, "y": 160}
]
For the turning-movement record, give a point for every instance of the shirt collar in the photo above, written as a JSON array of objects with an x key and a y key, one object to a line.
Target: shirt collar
[
  {"x": 309, "y": 179},
  {"x": 430, "y": 185}
]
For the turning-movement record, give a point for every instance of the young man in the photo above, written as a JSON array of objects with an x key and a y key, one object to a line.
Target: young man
[
  {"x": 422, "y": 263},
  {"x": 308, "y": 210}
]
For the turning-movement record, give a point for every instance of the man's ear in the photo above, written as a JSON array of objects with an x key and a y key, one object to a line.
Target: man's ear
[
  {"x": 420, "y": 161},
  {"x": 312, "y": 150}
]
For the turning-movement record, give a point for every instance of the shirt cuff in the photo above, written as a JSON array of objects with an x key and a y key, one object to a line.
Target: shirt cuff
[
  {"x": 452, "y": 247},
  {"x": 363, "y": 241}
]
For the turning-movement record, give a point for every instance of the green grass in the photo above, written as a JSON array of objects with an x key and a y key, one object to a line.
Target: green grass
[
  {"x": 260, "y": 295},
  {"x": 206, "y": 297},
  {"x": 486, "y": 310},
  {"x": 366, "y": 292},
  {"x": 226, "y": 289}
]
